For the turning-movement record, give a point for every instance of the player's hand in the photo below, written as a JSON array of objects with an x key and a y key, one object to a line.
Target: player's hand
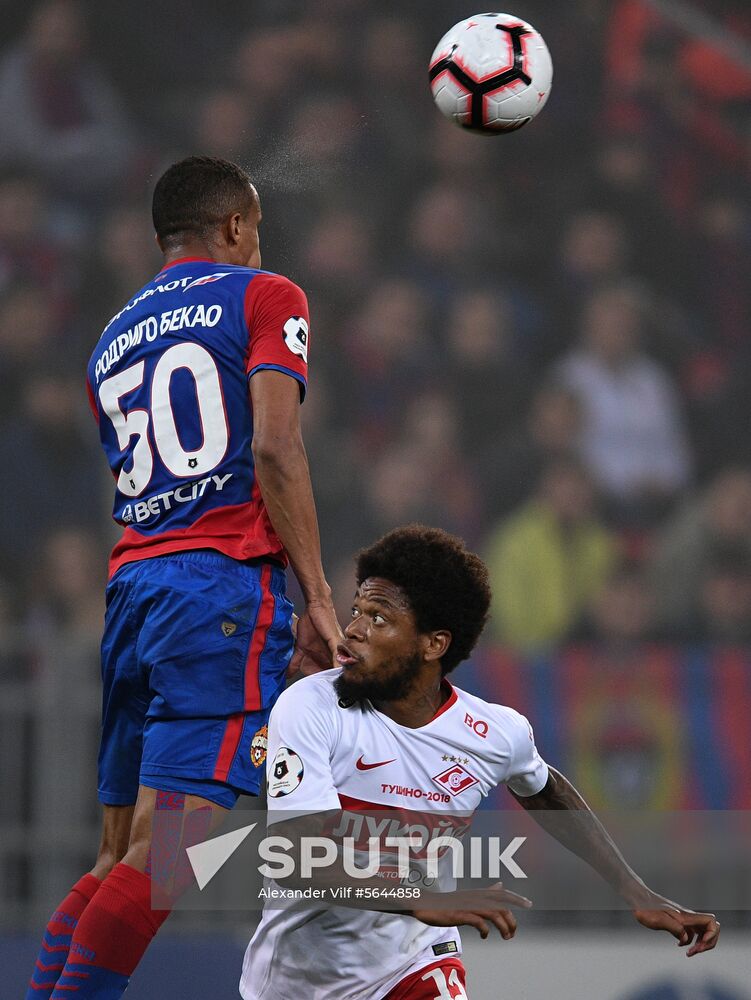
[
  {"x": 476, "y": 908},
  {"x": 316, "y": 637},
  {"x": 699, "y": 931}
]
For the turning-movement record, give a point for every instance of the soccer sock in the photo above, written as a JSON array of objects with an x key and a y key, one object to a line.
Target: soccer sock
[
  {"x": 114, "y": 931},
  {"x": 57, "y": 938}
]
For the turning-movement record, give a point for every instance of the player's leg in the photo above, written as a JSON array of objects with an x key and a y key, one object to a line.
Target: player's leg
[
  {"x": 440, "y": 981},
  {"x": 124, "y": 714},
  {"x": 213, "y": 642},
  {"x": 63, "y": 922},
  {"x": 137, "y": 895}
]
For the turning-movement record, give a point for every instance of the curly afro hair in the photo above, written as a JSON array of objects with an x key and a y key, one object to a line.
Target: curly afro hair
[{"x": 446, "y": 585}]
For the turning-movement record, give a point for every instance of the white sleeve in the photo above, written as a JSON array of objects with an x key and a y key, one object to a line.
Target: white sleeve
[
  {"x": 302, "y": 735},
  {"x": 527, "y": 771}
]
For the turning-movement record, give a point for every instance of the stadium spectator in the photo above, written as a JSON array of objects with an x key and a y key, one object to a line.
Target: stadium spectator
[
  {"x": 448, "y": 241},
  {"x": 633, "y": 438},
  {"x": 127, "y": 258},
  {"x": 46, "y": 445},
  {"x": 716, "y": 522},
  {"x": 490, "y": 382},
  {"x": 431, "y": 427},
  {"x": 725, "y": 601},
  {"x": 60, "y": 114},
  {"x": 548, "y": 561},
  {"x": 30, "y": 329},
  {"x": 65, "y": 590},
  {"x": 389, "y": 357},
  {"x": 512, "y": 464},
  {"x": 404, "y": 483},
  {"x": 622, "y": 616},
  {"x": 337, "y": 256},
  {"x": 227, "y": 122},
  {"x": 24, "y": 212},
  {"x": 593, "y": 251}
]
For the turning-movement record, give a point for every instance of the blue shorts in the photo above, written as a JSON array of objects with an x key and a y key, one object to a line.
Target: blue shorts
[{"x": 194, "y": 655}]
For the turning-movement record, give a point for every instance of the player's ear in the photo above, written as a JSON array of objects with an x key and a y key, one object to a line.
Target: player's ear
[
  {"x": 232, "y": 229},
  {"x": 436, "y": 644}
]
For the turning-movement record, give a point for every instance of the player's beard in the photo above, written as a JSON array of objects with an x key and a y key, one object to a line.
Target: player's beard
[{"x": 393, "y": 684}]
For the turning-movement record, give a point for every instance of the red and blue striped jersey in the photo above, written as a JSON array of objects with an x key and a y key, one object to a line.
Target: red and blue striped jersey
[{"x": 168, "y": 384}]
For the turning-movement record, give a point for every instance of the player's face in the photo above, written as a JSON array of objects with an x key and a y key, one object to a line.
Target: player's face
[{"x": 382, "y": 655}]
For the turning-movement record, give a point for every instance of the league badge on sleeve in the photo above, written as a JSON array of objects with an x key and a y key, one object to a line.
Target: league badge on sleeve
[
  {"x": 285, "y": 773},
  {"x": 295, "y": 332}
]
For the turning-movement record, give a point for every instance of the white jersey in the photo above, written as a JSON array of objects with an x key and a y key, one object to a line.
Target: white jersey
[{"x": 355, "y": 758}]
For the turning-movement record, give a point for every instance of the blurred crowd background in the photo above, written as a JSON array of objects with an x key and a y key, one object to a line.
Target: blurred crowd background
[{"x": 538, "y": 341}]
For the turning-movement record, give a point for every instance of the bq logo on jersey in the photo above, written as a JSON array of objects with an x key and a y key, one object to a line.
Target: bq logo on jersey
[
  {"x": 455, "y": 780},
  {"x": 259, "y": 746},
  {"x": 286, "y": 773}
]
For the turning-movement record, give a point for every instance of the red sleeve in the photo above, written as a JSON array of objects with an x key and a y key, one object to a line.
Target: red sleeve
[{"x": 276, "y": 312}]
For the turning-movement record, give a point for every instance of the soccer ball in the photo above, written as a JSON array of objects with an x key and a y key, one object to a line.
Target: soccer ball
[{"x": 491, "y": 73}]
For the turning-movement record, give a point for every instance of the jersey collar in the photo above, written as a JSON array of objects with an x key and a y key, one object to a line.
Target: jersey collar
[
  {"x": 186, "y": 260},
  {"x": 451, "y": 700}
]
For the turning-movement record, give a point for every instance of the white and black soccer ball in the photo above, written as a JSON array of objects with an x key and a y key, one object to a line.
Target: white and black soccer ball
[{"x": 491, "y": 73}]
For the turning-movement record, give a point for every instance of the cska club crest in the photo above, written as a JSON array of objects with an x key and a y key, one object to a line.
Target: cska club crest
[{"x": 258, "y": 746}]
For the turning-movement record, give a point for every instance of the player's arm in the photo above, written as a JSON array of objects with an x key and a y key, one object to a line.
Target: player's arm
[
  {"x": 276, "y": 313},
  {"x": 284, "y": 479},
  {"x": 582, "y": 833},
  {"x": 479, "y": 908}
]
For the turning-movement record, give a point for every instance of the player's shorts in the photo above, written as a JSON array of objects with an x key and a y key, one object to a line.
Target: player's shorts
[
  {"x": 438, "y": 981},
  {"x": 194, "y": 655}
]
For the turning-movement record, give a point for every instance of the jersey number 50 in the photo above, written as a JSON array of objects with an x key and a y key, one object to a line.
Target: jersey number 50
[{"x": 135, "y": 423}]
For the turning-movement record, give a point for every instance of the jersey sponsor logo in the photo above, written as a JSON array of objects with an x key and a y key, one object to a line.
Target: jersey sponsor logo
[
  {"x": 286, "y": 773},
  {"x": 259, "y": 746},
  {"x": 455, "y": 780},
  {"x": 295, "y": 332},
  {"x": 478, "y": 726},
  {"x": 161, "y": 502},
  {"x": 207, "y": 279},
  {"x": 168, "y": 286},
  {"x": 362, "y": 766},
  {"x": 408, "y": 792},
  {"x": 386, "y": 824}
]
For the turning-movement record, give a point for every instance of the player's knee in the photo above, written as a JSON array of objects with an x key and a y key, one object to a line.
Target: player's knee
[
  {"x": 138, "y": 855},
  {"x": 105, "y": 862}
]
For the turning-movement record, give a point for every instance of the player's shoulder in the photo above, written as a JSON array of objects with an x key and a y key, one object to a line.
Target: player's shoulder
[
  {"x": 271, "y": 282},
  {"x": 492, "y": 717},
  {"x": 316, "y": 690}
]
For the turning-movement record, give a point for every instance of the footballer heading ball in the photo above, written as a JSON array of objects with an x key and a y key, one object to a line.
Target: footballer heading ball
[{"x": 491, "y": 73}]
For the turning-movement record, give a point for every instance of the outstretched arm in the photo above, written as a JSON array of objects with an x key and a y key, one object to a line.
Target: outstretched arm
[
  {"x": 584, "y": 835},
  {"x": 284, "y": 479}
]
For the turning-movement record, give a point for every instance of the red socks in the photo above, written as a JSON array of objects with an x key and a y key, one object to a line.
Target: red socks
[
  {"x": 111, "y": 937},
  {"x": 57, "y": 938}
]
